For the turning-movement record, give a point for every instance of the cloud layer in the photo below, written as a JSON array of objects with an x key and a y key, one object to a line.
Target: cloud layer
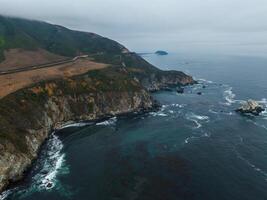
[{"x": 154, "y": 23}]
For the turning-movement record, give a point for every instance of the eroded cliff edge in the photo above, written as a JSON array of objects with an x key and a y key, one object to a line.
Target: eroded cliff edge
[{"x": 29, "y": 115}]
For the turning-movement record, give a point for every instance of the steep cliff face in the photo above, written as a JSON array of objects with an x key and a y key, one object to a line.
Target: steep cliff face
[
  {"x": 28, "y": 116},
  {"x": 160, "y": 80},
  {"x": 152, "y": 78}
]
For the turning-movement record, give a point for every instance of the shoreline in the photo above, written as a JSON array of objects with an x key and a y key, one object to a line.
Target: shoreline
[{"x": 56, "y": 130}]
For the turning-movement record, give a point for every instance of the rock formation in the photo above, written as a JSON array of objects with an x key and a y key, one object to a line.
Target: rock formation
[
  {"x": 28, "y": 116},
  {"x": 250, "y": 107}
]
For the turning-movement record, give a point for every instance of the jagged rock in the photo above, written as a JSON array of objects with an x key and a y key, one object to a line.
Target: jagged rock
[
  {"x": 49, "y": 185},
  {"x": 180, "y": 90},
  {"x": 250, "y": 107}
]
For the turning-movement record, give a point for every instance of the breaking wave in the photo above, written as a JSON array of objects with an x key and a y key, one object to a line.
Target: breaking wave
[
  {"x": 159, "y": 113},
  {"x": 197, "y": 119},
  {"x": 229, "y": 96},
  {"x": 49, "y": 166},
  {"x": 5, "y": 194},
  {"x": 202, "y": 80},
  {"x": 187, "y": 140},
  {"x": 111, "y": 121},
  {"x": 80, "y": 124}
]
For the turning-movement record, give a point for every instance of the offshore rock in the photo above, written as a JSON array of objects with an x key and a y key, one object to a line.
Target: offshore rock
[
  {"x": 180, "y": 90},
  {"x": 250, "y": 107}
]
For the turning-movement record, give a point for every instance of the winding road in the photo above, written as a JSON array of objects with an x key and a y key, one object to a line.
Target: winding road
[{"x": 45, "y": 65}]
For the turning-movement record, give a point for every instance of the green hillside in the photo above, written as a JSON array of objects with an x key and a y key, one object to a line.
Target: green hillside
[{"x": 30, "y": 34}]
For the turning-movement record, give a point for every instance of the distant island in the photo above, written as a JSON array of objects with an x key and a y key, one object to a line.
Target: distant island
[{"x": 161, "y": 53}]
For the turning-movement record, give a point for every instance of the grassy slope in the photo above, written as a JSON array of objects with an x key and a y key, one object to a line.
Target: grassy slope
[{"x": 29, "y": 34}]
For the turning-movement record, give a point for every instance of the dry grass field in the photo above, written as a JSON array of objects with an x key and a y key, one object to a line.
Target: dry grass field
[
  {"x": 12, "y": 82},
  {"x": 18, "y": 58}
]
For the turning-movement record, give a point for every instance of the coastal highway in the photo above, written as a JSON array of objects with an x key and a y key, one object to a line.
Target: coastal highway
[{"x": 45, "y": 65}]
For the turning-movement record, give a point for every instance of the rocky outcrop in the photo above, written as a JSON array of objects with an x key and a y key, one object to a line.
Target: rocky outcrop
[
  {"x": 159, "y": 80},
  {"x": 250, "y": 107},
  {"x": 180, "y": 90},
  {"x": 28, "y": 116},
  {"x": 152, "y": 78},
  {"x": 161, "y": 53}
]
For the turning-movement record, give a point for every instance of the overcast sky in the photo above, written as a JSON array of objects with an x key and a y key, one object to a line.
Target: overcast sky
[{"x": 146, "y": 25}]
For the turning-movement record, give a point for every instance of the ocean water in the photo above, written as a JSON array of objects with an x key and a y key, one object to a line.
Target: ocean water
[{"x": 196, "y": 147}]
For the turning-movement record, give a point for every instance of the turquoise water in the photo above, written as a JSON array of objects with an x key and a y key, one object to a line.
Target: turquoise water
[{"x": 195, "y": 147}]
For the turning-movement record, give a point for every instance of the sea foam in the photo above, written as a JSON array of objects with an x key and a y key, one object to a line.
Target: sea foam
[
  {"x": 197, "y": 119},
  {"x": 50, "y": 164},
  {"x": 111, "y": 121}
]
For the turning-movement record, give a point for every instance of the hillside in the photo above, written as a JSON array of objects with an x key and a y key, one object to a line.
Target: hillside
[
  {"x": 31, "y": 35},
  {"x": 111, "y": 81},
  {"x": 49, "y": 42}
]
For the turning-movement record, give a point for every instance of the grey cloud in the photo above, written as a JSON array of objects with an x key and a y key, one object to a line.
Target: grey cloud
[{"x": 154, "y": 23}]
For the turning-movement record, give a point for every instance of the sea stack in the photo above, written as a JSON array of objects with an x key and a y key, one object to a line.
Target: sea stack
[
  {"x": 250, "y": 107},
  {"x": 161, "y": 53}
]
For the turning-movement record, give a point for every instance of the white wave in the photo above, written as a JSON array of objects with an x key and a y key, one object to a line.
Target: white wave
[
  {"x": 201, "y": 80},
  {"x": 111, "y": 121},
  {"x": 213, "y": 111},
  {"x": 205, "y": 135},
  {"x": 187, "y": 140},
  {"x": 178, "y": 105},
  {"x": 51, "y": 163},
  {"x": 5, "y": 194},
  {"x": 263, "y": 101},
  {"x": 80, "y": 124},
  {"x": 229, "y": 96},
  {"x": 196, "y": 118},
  {"x": 154, "y": 114},
  {"x": 264, "y": 113},
  {"x": 197, "y": 123}
]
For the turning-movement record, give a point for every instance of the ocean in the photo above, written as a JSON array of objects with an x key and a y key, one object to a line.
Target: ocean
[{"x": 195, "y": 147}]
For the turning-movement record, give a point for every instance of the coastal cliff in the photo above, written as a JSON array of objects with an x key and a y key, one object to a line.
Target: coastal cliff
[
  {"x": 29, "y": 115},
  {"x": 151, "y": 77}
]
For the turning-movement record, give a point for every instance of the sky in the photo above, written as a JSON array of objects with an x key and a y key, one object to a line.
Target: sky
[{"x": 233, "y": 26}]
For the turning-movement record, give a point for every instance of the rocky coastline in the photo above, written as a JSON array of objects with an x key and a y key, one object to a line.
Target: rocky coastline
[{"x": 28, "y": 116}]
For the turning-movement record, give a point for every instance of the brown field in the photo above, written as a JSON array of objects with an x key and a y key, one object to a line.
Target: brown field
[
  {"x": 12, "y": 82},
  {"x": 18, "y": 58}
]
